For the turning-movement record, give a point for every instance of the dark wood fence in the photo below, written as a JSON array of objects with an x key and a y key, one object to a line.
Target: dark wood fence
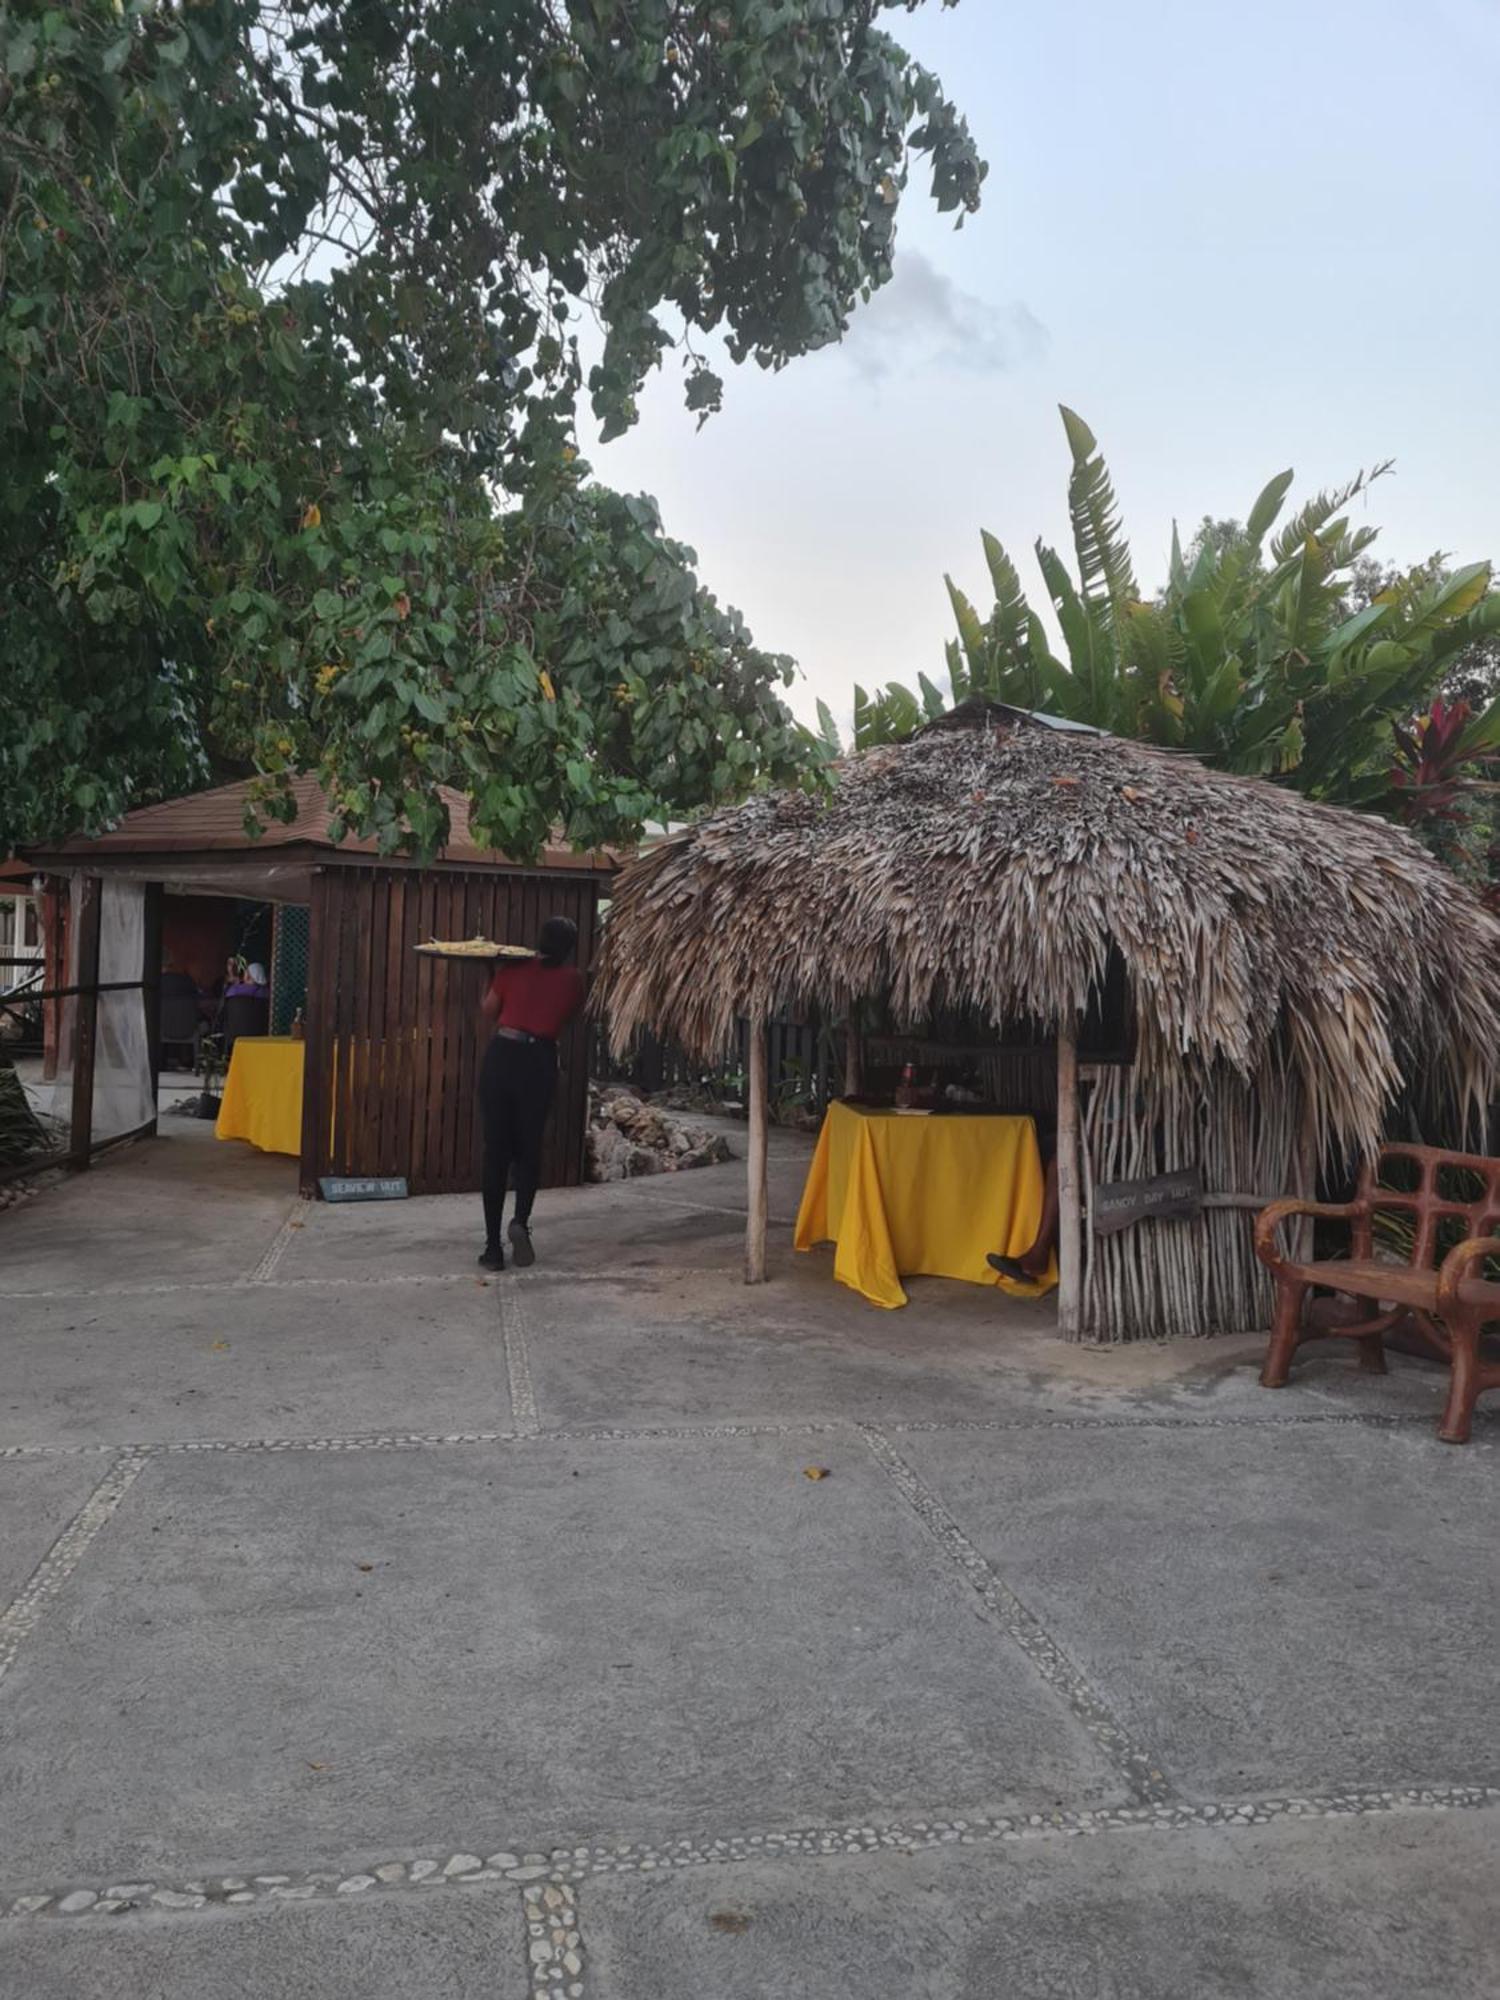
[{"x": 394, "y": 1040}]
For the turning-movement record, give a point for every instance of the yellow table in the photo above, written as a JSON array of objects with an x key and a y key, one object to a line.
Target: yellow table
[
  {"x": 262, "y": 1099},
  {"x": 922, "y": 1197}
]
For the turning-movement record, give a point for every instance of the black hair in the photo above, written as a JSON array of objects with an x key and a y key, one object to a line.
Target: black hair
[{"x": 558, "y": 941}]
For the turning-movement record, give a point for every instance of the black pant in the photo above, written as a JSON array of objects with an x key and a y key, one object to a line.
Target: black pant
[{"x": 516, "y": 1081}]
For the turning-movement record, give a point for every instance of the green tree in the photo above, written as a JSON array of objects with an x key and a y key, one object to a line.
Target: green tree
[
  {"x": 1257, "y": 655},
  {"x": 289, "y": 292}
]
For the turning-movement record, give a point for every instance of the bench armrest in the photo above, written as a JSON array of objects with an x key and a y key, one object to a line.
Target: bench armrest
[
  {"x": 1270, "y": 1220},
  {"x": 1455, "y": 1265}
]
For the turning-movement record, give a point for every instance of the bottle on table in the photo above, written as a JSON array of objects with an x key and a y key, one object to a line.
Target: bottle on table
[
  {"x": 296, "y": 1030},
  {"x": 906, "y": 1089}
]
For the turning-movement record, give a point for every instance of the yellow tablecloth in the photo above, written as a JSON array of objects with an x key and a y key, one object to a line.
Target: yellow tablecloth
[
  {"x": 262, "y": 1099},
  {"x": 922, "y": 1197}
]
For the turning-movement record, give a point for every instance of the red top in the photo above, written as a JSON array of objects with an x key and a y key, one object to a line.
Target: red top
[{"x": 538, "y": 999}]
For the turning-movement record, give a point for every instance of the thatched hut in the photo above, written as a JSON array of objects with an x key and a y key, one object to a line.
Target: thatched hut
[{"x": 1293, "y": 971}]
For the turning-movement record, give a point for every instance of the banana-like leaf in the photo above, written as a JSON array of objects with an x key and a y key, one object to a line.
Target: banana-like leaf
[
  {"x": 1176, "y": 567},
  {"x": 958, "y": 672},
  {"x": 1483, "y": 734},
  {"x": 1319, "y": 511},
  {"x": 1442, "y": 604},
  {"x": 1006, "y": 626},
  {"x": 1354, "y": 629},
  {"x": 1078, "y": 633},
  {"x": 1220, "y": 697},
  {"x": 1267, "y": 507},
  {"x": 1205, "y": 634},
  {"x": 934, "y": 703},
  {"x": 828, "y": 729},
  {"x": 970, "y": 628},
  {"x": 1104, "y": 566}
]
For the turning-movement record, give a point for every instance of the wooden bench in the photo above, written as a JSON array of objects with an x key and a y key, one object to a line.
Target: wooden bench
[{"x": 1447, "y": 1303}]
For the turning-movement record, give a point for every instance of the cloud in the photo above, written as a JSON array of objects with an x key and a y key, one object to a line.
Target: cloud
[{"x": 922, "y": 319}]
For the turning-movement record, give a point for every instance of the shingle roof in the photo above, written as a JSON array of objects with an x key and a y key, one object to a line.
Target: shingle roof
[{"x": 214, "y": 823}]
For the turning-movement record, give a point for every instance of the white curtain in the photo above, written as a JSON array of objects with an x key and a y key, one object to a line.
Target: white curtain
[
  {"x": 122, "y": 1059},
  {"x": 122, "y": 1055}
]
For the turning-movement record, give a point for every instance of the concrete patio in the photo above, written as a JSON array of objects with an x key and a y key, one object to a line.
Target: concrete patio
[{"x": 372, "y": 1628}]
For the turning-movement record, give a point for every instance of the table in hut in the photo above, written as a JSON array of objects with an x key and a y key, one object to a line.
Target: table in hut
[
  {"x": 903, "y": 1195},
  {"x": 262, "y": 1100}
]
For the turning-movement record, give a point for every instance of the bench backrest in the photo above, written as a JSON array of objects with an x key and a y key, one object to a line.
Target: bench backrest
[{"x": 1441, "y": 1187}]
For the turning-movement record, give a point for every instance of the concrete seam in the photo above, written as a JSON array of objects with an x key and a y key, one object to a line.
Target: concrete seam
[
  {"x": 565, "y": 1866},
  {"x": 518, "y": 1361},
  {"x": 295, "y": 1219},
  {"x": 554, "y": 1946},
  {"x": 22, "y": 1615},
  {"x": 1148, "y": 1783},
  {"x": 611, "y": 1434},
  {"x": 554, "y": 1276}
]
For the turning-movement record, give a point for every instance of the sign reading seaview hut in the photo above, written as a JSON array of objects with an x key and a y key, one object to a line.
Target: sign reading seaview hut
[{"x": 1164, "y": 1198}]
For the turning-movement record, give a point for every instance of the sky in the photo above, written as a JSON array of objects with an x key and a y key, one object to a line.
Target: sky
[{"x": 1234, "y": 238}]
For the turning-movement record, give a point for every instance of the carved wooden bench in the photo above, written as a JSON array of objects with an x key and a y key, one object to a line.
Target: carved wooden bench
[{"x": 1447, "y": 1303}]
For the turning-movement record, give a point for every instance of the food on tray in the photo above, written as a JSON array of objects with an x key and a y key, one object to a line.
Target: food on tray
[{"x": 476, "y": 947}]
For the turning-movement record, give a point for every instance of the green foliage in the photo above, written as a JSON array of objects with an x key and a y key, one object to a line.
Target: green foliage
[
  {"x": 288, "y": 376},
  {"x": 21, "y": 1135},
  {"x": 1259, "y": 659}
]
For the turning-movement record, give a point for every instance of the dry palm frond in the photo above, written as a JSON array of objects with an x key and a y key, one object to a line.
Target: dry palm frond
[{"x": 994, "y": 863}]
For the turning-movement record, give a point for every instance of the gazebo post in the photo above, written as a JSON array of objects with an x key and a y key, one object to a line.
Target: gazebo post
[
  {"x": 854, "y": 1056},
  {"x": 1069, "y": 1206},
  {"x": 755, "y": 1223}
]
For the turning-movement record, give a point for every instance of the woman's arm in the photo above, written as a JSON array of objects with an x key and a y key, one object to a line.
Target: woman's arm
[{"x": 489, "y": 1006}]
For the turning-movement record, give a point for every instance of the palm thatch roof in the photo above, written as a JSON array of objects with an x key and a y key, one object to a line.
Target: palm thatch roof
[{"x": 993, "y": 863}]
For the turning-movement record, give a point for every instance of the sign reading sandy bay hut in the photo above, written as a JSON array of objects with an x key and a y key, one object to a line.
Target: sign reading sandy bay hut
[{"x": 1165, "y": 1198}]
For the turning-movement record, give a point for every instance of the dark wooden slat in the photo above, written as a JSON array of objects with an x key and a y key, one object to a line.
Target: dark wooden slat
[
  {"x": 379, "y": 1009},
  {"x": 397, "y": 1031},
  {"x": 351, "y": 897},
  {"x": 85, "y": 1023},
  {"x": 317, "y": 1031},
  {"x": 407, "y": 1013}
]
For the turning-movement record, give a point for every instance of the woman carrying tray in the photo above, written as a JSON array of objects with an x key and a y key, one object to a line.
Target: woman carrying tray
[{"x": 531, "y": 1001}]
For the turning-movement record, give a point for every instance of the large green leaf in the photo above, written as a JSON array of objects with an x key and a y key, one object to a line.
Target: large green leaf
[
  {"x": 1104, "y": 566},
  {"x": 1267, "y": 506}
]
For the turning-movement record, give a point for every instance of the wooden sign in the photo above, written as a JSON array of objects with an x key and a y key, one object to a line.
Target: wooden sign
[
  {"x": 342, "y": 1188},
  {"x": 1165, "y": 1198}
]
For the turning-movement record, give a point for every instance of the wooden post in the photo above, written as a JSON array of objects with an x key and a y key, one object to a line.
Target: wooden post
[
  {"x": 151, "y": 991},
  {"x": 755, "y": 1224},
  {"x": 1069, "y": 1205},
  {"x": 854, "y": 1056},
  {"x": 85, "y": 1023}
]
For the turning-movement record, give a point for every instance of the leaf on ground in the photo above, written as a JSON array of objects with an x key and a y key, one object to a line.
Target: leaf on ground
[
  {"x": 366, "y": 1567},
  {"x": 733, "y": 1921},
  {"x": 220, "y": 1347},
  {"x": 815, "y": 1472}
]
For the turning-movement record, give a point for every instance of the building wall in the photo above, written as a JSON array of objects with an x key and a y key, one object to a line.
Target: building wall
[
  {"x": 394, "y": 1040},
  {"x": 197, "y": 936}
]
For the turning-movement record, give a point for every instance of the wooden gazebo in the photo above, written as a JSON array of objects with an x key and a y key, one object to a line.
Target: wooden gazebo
[
  {"x": 1292, "y": 972},
  {"x": 392, "y": 1042}
]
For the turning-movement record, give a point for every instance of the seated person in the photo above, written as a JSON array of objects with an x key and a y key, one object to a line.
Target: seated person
[
  {"x": 1031, "y": 1266},
  {"x": 253, "y": 983},
  {"x": 177, "y": 984}
]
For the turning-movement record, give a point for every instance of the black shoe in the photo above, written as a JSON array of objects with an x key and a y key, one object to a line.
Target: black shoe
[
  {"x": 492, "y": 1257},
  {"x": 1009, "y": 1268},
  {"x": 520, "y": 1245}
]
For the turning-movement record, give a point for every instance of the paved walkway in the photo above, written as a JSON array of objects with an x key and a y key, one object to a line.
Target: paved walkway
[{"x": 371, "y": 1629}]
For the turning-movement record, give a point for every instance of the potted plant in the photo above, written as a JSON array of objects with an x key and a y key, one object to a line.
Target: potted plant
[{"x": 210, "y": 1068}]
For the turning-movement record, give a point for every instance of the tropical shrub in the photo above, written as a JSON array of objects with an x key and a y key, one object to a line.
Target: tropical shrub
[{"x": 1250, "y": 656}]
